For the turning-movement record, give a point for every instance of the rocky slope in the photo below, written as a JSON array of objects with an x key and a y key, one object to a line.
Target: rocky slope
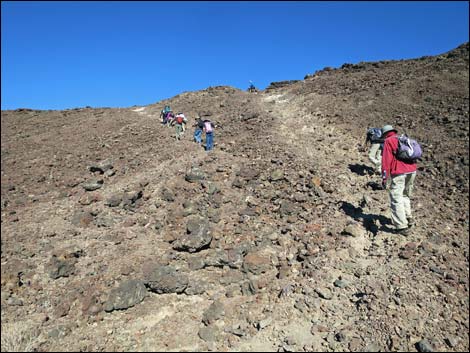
[{"x": 115, "y": 236}]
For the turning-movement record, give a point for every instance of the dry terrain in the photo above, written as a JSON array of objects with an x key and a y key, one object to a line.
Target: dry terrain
[{"x": 117, "y": 237}]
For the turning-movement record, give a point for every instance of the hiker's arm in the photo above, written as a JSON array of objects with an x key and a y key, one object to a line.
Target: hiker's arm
[{"x": 387, "y": 158}]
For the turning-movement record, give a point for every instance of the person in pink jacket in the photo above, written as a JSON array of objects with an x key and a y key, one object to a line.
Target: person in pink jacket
[{"x": 402, "y": 175}]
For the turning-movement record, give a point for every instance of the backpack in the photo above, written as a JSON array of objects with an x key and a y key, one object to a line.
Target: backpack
[
  {"x": 208, "y": 126},
  {"x": 180, "y": 118},
  {"x": 408, "y": 150},
  {"x": 167, "y": 109},
  {"x": 167, "y": 117},
  {"x": 374, "y": 134}
]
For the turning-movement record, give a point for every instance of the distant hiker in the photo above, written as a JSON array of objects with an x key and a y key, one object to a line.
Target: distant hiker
[
  {"x": 179, "y": 122},
  {"x": 169, "y": 118},
  {"x": 402, "y": 175},
  {"x": 164, "y": 113},
  {"x": 209, "y": 130},
  {"x": 374, "y": 136},
  {"x": 199, "y": 127},
  {"x": 252, "y": 88}
]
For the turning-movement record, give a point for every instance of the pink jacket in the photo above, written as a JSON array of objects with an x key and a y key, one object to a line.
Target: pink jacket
[{"x": 391, "y": 166}]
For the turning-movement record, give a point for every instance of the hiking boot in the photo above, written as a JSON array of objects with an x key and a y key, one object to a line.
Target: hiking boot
[{"x": 403, "y": 231}]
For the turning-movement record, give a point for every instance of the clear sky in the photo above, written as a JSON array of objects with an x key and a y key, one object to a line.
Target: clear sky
[{"x": 69, "y": 54}]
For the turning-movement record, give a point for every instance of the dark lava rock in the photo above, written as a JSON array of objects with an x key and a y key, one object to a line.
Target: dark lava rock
[
  {"x": 128, "y": 294},
  {"x": 197, "y": 237},
  {"x": 166, "y": 279}
]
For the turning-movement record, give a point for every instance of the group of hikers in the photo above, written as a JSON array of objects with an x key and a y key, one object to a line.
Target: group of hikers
[
  {"x": 394, "y": 157},
  {"x": 179, "y": 121}
]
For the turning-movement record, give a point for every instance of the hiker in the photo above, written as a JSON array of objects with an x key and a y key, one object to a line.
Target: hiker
[
  {"x": 179, "y": 122},
  {"x": 402, "y": 175},
  {"x": 374, "y": 136},
  {"x": 252, "y": 88},
  {"x": 199, "y": 126},
  {"x": 168, "y": 119},
  {"x": 209, "y": 130},
  {"x": 164, "y": 114}
]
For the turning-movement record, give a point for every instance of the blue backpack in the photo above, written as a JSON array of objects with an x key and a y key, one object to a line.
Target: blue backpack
[
  {"x": 374, "y": 134},
  {"x": 408, "y": 150}
]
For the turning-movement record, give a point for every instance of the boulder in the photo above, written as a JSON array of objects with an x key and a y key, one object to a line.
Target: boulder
[
  {"x": 127, "y": 295},
  {"x": 165, "y": 279},
  {"x": 197, "y": 236}
]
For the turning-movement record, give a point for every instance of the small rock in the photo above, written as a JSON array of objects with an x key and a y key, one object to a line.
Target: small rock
[
  {"x": 13, "y": 301},
  {"x": 109, "y": 173},
  {"x": 208, "y": 334},
  {"x": 405, "y": 254},
  {"x": 451, "y": 341},
  {"x": 264, "y": 323},
  {"x": 93, "y": 185},
  {"x": 354, "y": 230},
  {"x": 256, "y": 263},
  {"x": 372, "y": 347},
  {"x": 165, "y": 279},
  {"x": 340, "y": 283},
  {"x": 197, "y": 237},
  {"x": 114, "y": 200},
  {"x": 196, "y": 288},
  {"x": 196, "y": 263},
  {"x": 324, "y": 293},
  {"x": 194, "y": 175},
  {"x": 168, "y": 195},
  {"x": 89, "y": 198},
  {"x": 61, "y": 267},
  {"x": 424, "y": 346},
  {"x": 366, "y": 201},
  {"x": 214, "y": 312},
  {"x": 277, "y": 175},
  {"x": 101, "y": 167},
  {"x": 340, "y": 336},
  {"x": 82, "y": 218}
]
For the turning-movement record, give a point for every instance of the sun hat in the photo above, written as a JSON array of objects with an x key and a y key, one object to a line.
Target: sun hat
[{"x": 387, "y": 128}]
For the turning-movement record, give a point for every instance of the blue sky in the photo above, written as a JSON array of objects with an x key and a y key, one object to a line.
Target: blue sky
[{"x": 60, "y": 55}]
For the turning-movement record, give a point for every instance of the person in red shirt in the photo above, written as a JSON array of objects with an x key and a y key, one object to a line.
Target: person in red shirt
[{"x": 402, "y": 175}]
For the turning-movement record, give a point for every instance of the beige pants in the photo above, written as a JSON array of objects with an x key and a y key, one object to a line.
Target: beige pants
[
  {"x": 400, "y": 194},
  {"x": 375, "y": 156}
]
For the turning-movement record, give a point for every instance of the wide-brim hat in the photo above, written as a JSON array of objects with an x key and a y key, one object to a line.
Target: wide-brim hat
[{"x": 387, "y": 128}]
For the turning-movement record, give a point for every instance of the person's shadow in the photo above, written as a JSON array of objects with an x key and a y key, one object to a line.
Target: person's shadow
[
  {"x": 368, "y": 220},
  {"x": 361, "y": 169}
]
